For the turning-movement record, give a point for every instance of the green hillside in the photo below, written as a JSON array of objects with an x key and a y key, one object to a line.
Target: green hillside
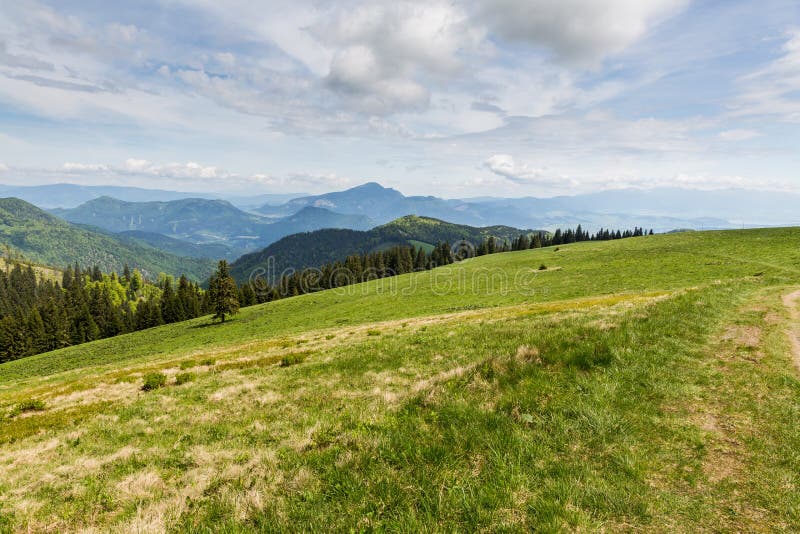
[
  {"x": 176, "y": 246},
  {"x": 313, "y": 249},
  {"x": 638, "y": 384},
  {"x": 42, "y": 238},
  {"x": 190, "y": 218}
]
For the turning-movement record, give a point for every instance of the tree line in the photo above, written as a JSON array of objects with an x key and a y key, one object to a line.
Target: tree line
[{"x": 38, "y": 314}]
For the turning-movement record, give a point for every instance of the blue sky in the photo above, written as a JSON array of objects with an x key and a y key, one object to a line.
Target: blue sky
[{"x": 454, "y": 98}]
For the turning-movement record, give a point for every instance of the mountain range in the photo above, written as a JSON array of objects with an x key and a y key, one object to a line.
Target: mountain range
[
  {"x": 312, "y": 230},
  {"x": 37, "y": 236},
  {"x": 204, "y": 222},
  {"x": 661, "y": 209}
]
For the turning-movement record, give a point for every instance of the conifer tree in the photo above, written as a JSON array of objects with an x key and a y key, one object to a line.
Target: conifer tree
[{"x": 224, "y": 293}]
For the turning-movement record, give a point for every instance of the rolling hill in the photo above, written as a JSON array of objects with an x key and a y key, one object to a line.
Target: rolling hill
[
  {"x": 205, "y": 222},
  {"x": 640, "y": 384},
  {"x": 194, "y": 219},
  {"x": 43, "y": 238},
  {"x": 313, "y": 249}
]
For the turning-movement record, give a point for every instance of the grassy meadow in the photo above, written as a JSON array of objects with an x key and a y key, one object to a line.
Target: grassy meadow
[{"x": 641, "y": 384}]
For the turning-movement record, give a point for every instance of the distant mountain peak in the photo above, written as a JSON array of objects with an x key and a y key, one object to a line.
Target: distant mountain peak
[
  {"x": 371, "y": 186},
  {"x": 369, "y": 189}
]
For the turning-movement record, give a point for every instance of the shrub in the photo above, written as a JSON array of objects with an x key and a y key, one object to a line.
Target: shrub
[
  {"x": 292, "y": 359},
  {"x": 208, "y": 362},
  {"x": 30, "y": 405},
  {"x": 154, "y": 381},
  {"x": 373, "y": 332},
  {"x": 598, "y": 355},
  {"x": 182, "y": 378},
  {"x": 543, "y": 267}
]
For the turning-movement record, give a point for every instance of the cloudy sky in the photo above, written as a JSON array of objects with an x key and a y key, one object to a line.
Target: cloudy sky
[{"x": 454, "y": 98}]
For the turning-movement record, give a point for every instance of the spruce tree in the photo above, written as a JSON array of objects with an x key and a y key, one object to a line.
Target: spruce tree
[{"x": 224, "y": 293}]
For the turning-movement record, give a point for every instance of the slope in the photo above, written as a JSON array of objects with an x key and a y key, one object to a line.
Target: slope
[
  {"x": 640, "y": 384},
  {"x": 43, "y": 238}
]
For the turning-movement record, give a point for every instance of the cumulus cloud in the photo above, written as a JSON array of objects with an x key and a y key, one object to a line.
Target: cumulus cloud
[
  {"x": 78, "y": 168},
  {"x": 524, "y": 174},
  {"x": 386, "y": 54},
  {"x": 4, "y": 167},
  {"x": 175, "y": 170},
  {"x": 578, "y": 31},
  {"x": 321, "y": 67},
  {"x": 432, "y": 83}
]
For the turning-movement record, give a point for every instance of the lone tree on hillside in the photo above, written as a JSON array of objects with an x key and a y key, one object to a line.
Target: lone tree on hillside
[{"x": 223, "y": 292}]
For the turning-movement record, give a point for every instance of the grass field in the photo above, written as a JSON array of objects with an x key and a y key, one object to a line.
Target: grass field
[{"x": 642, "y": 384}]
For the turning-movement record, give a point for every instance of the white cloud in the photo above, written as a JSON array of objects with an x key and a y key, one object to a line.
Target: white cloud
[
  {"x": 525, "y": 174},
  {"x": 4, "y": 167},
  {"x": 425, "y": 84},
  {"x": 305, "y": 181},
  {"x": 73, "y": 167},
  {"x": 193, "y": 175},
  {"x": 175, "y": 170},
  {"x": 739, "y": 135},
  {"x": 141, "y": 167},
  {"x": 24, "y": 61},
  {"x": 774, "y": 89},
  {"x": 578, "y": 31},
  {"x": 708, "y": 182},
  {"x": 388, "y": 55}
]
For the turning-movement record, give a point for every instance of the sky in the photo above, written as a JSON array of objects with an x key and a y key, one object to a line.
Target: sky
[{"x": 458, "y": 98}]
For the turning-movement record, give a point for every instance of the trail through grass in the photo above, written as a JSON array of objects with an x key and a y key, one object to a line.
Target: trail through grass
[{"x": 791, "y": 301}]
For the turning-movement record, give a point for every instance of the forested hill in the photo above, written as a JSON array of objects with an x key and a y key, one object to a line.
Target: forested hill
[
  {"x": 43, "y": 238},
  {"x": 192, "y": 219},
  {"x": 313, "y": 249}
]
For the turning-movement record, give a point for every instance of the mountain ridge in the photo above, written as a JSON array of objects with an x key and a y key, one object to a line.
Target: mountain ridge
[
  {"x": 313, "y": 249},
  {"x": 68, "y": 195}
]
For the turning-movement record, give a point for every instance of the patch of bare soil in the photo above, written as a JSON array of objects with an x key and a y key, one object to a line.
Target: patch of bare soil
[{"x": 791, "y": 303}]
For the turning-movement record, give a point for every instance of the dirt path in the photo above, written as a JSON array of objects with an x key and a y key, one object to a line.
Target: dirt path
[{"x": 791, "y": 302}]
